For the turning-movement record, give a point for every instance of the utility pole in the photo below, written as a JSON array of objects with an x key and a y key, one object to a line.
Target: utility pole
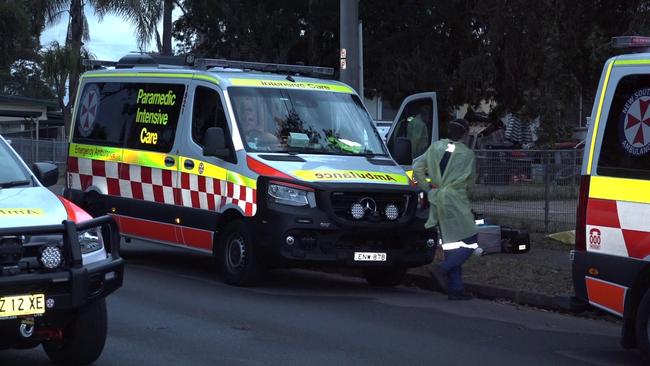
[{"x": 349, "y": 40}]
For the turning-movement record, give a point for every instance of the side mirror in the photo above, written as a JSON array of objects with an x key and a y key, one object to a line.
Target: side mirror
[
  {"x": 401, "y": 151},
  {"x": 46, "y": 173},
  {"x": 214, "y": 143}
]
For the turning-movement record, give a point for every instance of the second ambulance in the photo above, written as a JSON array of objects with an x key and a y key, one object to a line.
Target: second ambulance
[{"x": 611, "y": 260}]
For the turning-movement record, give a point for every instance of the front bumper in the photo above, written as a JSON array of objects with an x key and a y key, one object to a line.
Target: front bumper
[
  {"x": 319, "y": 239},
  {"x": 69, "y": 288}
]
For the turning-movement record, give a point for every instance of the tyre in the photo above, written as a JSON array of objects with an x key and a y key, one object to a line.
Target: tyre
[
  {"x": 239, "y": 264},
  {"x": 385, "y": 277},
  {"x": 642, "y": 325},
  {"x": 83, "y": 337}
]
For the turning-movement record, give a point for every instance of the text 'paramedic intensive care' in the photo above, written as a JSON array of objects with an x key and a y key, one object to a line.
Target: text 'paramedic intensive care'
[{"x": 156, "y": 117}]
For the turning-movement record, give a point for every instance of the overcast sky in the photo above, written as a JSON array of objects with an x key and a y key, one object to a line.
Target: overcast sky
[{"x": 110, "y": 39}]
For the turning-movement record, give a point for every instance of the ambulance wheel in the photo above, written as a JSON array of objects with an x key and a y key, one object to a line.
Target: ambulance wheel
[
  {"x": 83, "y": 337},
  {"x": 239, "y": 264},
  {"x": 385, "y": 277},
  {"x": 642, "y": 324}
]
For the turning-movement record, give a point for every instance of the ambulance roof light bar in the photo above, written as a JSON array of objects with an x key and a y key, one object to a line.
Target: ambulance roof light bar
[
  {"x": 265, "y": 67},
  {"x": 631, "y": 42}
]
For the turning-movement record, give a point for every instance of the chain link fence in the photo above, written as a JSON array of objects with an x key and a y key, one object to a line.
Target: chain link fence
[
  {"x": 43, "y": 150},
  {"x": 536, "y": 190}
]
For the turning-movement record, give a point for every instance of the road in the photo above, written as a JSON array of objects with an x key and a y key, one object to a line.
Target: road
[{"x": 174, "y": 309}]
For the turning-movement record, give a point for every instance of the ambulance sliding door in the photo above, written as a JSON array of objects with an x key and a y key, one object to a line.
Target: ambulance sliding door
[
  {"x": 149, "y": 172},
  {"x": 203, "y": 185}
]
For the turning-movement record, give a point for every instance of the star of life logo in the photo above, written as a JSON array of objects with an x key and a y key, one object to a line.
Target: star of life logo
[
  {"x": 88, "y": 110},
  {"x": 634, "y": 126}
]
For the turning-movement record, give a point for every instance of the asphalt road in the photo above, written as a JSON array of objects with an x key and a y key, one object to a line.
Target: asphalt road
[{"x": 175, "y": 310}]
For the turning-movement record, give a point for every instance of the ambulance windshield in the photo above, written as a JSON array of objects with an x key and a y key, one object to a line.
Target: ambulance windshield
[{"x": 304, "y": 121}]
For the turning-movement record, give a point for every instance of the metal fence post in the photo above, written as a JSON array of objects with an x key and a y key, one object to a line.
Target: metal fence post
[{"x": 547, "y": 189}]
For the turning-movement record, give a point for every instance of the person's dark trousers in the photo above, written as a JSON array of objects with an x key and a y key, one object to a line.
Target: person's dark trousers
[{"x": 452, "y": 266}]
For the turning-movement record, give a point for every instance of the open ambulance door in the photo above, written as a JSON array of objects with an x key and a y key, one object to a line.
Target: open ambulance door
[{"x": 416, "y": 120}]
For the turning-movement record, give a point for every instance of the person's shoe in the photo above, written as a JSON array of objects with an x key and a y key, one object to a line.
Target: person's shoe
[
  {"x": 460, "y": 296},
  {"x": 439, "y": 278}
]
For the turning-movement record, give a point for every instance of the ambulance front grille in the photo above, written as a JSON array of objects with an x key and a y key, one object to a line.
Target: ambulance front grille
[{"x": 374, "y": 205}]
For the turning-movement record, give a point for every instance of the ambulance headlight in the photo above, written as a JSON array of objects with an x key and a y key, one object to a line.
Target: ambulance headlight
[
  {"x": 288, "y": 194},
  {"x": 91, "y": 240}
]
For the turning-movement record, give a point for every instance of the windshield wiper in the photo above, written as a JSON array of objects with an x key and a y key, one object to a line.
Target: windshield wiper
[
  {"x": 370, "y": 154},
  {"x": 15, "y": 183},
  {"x": 374, "y": 155}
]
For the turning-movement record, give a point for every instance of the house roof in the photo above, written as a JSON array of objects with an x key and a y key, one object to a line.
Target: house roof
[{"x": 51, "y": 105}]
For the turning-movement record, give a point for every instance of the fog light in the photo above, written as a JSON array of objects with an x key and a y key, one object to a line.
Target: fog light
[
  {"x": 50, "y": 256},
  {"x": 431, "y": 243},
  {"x": 290, "y": 240},
  {"x": 357, "y": 211},
  {"x": 49, "y": 303},
  {"x": 391, "y": 212}
]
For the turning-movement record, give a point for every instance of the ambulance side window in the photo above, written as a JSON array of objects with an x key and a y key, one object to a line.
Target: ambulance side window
[
  {"x": 102, "y": 114},
  {"x": 208, "y": 112},
  {"x": 153, "y": 113},
  {"x": 625, "y": 150}
]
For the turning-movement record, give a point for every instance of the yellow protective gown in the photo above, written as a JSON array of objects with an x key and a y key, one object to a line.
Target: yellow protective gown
[{"x": 449, "y": 202}]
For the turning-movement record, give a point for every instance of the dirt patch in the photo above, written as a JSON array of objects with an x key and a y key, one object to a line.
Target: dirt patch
[{"x": 545, "y": 269}]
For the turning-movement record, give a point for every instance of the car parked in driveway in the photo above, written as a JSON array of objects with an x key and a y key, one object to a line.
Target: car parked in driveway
[{"x": 57, "y": 265}]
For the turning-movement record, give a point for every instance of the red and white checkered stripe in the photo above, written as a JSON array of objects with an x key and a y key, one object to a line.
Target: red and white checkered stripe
[
  {"x": 618, "y": 228},
  {"x": 157, "y": 185}
]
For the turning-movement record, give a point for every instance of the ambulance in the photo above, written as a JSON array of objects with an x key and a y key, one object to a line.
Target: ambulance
[
  {"x": 261, "y": 165},
  {"x": 611, "y": 260}
]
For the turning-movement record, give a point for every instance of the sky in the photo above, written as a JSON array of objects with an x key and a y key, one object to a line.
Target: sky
[{"x": 110, "y": 39}]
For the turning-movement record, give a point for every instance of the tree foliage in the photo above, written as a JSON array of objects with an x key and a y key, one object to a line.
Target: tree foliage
[
  {"x": 279, "y": 31},
  {"x": 535, "y": 58},
  {"x": 21, "y": 23},
  {"x": 144, "y": 16}
]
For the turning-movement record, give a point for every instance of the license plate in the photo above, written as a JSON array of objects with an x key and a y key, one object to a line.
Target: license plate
[
  {"x": 369, "y": 257},
  {"x": 22, "y": 305}
]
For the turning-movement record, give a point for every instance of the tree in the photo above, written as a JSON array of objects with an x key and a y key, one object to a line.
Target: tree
[
  {"x": 27, "y": 80},
  {"x": 77, "y": 32},
  {"x": 56, "y": 70},
  {"x": 144, "y": 16},
  {"x": 533, "y": 58},
  {"x": 18, "y": 42},
  {"x": 284, "y": 31}
]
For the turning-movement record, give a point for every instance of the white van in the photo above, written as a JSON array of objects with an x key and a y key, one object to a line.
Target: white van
[{"x": 256, "y": 163}]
